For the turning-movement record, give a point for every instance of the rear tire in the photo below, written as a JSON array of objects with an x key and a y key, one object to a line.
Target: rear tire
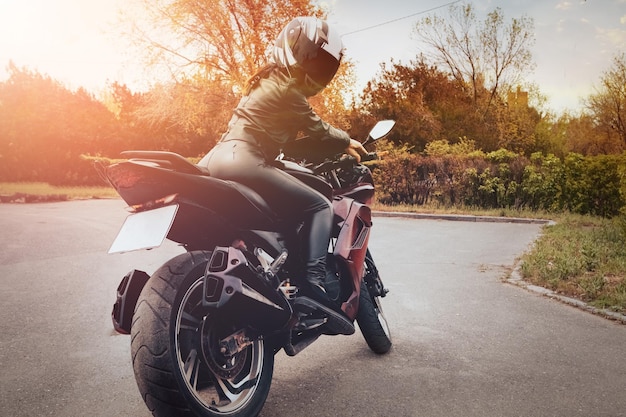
[
  {"x": 178, "y": 366},
  {"x": 372, "y": 322}
]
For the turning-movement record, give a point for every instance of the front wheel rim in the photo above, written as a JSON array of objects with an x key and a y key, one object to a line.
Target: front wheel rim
[
  {"x": 225, "y": 385},
  {"x": 381, "y": 317}
]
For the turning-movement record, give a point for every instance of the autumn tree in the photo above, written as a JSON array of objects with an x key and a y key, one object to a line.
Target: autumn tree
[
  {"x": 586, "y": 137},
  {"x": 44, "y": 129},
  {"x": 183, "y": 116},
  {"x": 226, "y": 40},
  {"x": 608, "y": 104},
  {"x": 209, "y": 49},
  {"x": 398, "y": 93},
  {"x": 517, "y": 124},
  {"x": 145, "y": 126},
  {"x": 487, "y": 58},
  {"x": 426, "y": 102},
  {"x": 551, "y": 134}
]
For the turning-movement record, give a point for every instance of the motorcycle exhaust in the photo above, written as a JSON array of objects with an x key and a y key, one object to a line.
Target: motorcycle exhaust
[{"x": 232, "y": 282}]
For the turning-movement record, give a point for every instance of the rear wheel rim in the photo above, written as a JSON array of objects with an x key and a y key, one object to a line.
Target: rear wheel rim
[{"x": 218, "y": 384}]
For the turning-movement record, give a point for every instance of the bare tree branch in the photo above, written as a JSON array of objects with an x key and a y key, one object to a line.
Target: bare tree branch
[{"x": 484, "y": 57}]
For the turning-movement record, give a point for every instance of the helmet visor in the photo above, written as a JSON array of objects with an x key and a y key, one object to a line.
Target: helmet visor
[{"x": 321, "y": 68}]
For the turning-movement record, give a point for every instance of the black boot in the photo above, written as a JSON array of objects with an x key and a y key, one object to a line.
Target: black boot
[
  {"x": 313, "y": 289},
  {"x": 315, "y": 235}
]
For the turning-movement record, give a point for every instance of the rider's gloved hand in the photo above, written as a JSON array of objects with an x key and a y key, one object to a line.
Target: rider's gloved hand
[{"x": 355, "y": 149}]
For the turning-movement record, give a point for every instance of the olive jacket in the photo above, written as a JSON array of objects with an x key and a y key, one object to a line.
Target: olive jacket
[{"x": 275, "y": 112}]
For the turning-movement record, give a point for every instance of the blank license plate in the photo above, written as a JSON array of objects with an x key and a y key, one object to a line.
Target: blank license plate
[{"x": 144, "y": 230}]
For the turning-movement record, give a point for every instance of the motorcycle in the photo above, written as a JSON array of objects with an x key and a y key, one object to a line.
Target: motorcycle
[{"x": 205, "y": 327}]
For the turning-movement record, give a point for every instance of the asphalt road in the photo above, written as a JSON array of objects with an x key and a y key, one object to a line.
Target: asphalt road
[{"x": 465, "y": 343}]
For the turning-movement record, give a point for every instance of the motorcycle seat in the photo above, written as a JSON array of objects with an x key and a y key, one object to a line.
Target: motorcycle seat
[{"x": 234, "y": 201}]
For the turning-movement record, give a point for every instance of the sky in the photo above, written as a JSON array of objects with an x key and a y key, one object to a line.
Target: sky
[{"x": 80, "y": 43}]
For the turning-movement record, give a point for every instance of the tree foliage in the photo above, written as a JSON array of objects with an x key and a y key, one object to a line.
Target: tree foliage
[
  {"x": 430, "y": 105},
  {"x": 474, "y": 136},
  {"x": 211, "y": 48},
  {"x": 149, "y": 122},
  {"x": 224, "y": 40},
  {"x": 608, "y": 105},
  {"x": 516, "y": 126},
  {"x": 586, "y": 137},
  {"x": 426, "y": 104},
  {"x": 466, "y": 91},
  {"x": 44, "y": 128}
]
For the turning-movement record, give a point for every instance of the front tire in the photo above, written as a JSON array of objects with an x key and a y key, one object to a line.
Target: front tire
[
  {"x": 176, "y": 358},
  {"x": 373, "y": 323}
]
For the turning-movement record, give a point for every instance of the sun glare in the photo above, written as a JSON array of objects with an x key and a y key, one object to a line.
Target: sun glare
[{"x": 58, "y": 38}]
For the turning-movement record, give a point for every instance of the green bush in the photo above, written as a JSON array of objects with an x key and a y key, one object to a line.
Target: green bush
[{"x": 502, "y": 179}]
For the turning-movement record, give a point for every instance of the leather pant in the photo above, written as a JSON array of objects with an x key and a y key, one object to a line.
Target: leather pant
[{"x": 291, "y": 199}]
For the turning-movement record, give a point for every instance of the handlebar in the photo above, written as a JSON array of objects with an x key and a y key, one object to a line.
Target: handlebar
[
  {"x": 346, "y": 161},
  {"x": 370, "y": 156}
]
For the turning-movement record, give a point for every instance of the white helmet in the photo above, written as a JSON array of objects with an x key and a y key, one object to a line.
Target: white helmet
[{"x": 309, "y": 45}]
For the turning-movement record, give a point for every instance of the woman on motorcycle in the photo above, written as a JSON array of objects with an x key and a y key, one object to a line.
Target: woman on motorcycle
[{"x": 273, "y": 109}]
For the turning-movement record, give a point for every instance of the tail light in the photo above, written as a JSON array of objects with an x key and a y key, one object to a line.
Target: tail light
[{"x": 153, "y": 204}]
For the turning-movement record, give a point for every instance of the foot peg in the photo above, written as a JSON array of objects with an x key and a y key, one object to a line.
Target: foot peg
[{"x": 336, "y": 323}]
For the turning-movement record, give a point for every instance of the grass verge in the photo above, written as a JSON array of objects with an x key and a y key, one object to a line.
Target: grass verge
[
  {"x": 463, "y": 210},
  {"x": 581, "y": 257},
  {"x": 33, "y": 192}
]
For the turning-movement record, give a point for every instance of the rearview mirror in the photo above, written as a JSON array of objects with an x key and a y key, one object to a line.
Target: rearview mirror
[{"x": 380, "y": 130}]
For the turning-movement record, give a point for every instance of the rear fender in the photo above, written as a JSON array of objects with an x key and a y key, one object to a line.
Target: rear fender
[{"x": 127, "y": 295}]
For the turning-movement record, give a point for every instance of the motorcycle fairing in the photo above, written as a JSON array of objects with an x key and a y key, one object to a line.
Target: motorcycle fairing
[
  {"x": 210, "y": 209},
  {"x": 363, "y": 193},
  {"x": 138, "y": 182},
  {"x": 351, "y": 246}
]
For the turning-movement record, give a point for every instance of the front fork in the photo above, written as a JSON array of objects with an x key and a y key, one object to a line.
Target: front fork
[{"x": 372, "y": 279}]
